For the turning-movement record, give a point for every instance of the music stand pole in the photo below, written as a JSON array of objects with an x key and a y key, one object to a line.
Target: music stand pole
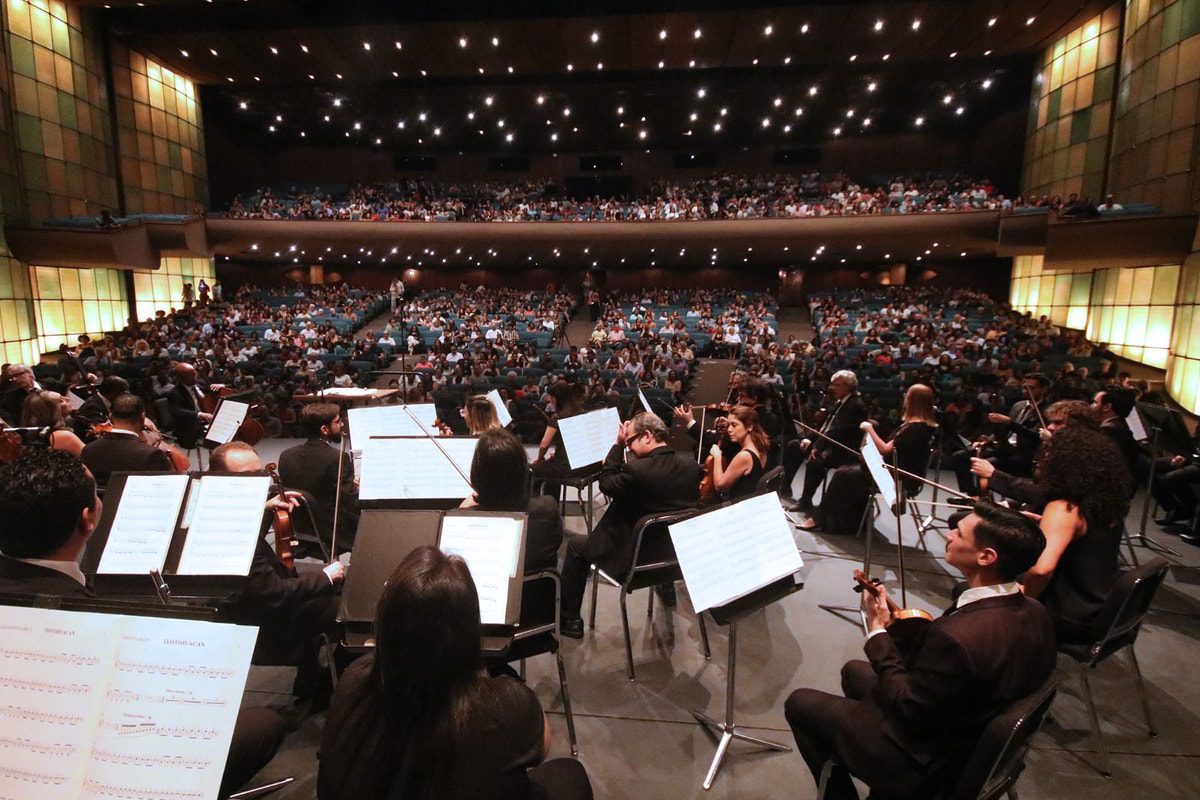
[{"x": 1141, "y": 538}]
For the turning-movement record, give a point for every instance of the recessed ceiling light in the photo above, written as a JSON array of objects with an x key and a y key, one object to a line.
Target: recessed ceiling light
[
  {"x": 554, "y": 137},
  {"x": 399, "y": 46},
  {"x": 696, "y": 34},
  {"x": 274, "y": 50},
  {"x": 991, "y": 22},
  {"x": 724, "y": 111},
  {"x": 508, "y": 137},
  {"x": 778, "y": 102},
  {"x": 595, "y": 37},
  {"x": 886, "y": 56},
  {"x": 470, "y": 115},
  {"x": 787, "y": 128},
  {"x": 337, "y": 102},
  {"x": 812, "y": 90},
  {"x": 495, "y": 41},
  {"x": 954, "y": 54},
  {"x": 395, "y": 74},
  {"x": 849, "y": 113},
  {"x": 854, "y": 57},
  {"x": 437, "y": 131},
  {"x": 641, "y": 134},
  {"x": 184, "y": 53},
  {"x": 566, "y": 112},
  {"x": 271, "y": 128},
  {"x": 755, "y": 62},
  {"x": 212, "y": 50},
  {"x": 871, "y": 86},
  {"x": 599, "y": 65},
  {"x": 878, "y": 25},
  {"x": 499, "y": 123},
  {"x": 766, "y": 122},
  {"x": 462, "y": 41},
  {"x": 358, "y": 126},
  {"x": 379, "y": 141},
  {"x": 423, "y": 73},
  {"x": 987, "y": 52},
  {"x": 717, "y": 127},
  {"x": 367, "y": 46},
  {"x": 661, "y": 64},
  {"x": 799, "y": 111},
  {"x": 257, "y": 79},
  {"x": 691, "y": 63},
  {"x": 278, "y": 118},
  {"x": 243, "y": 105},
  {"x": 694, "y": 116},
  {"x": 916, "y": 24},
  {"x": 787, "y": 60},
  {"x": 837, "y": 131},
  {"x": 400, "y": 124},
  {"x": 487, "y": 101},
  {"x": 701, "y": 92},
  {"x": 570, "y": 67},
  {"x": 919, "y": 121},
  {"x": 1030, "y": 21},
  {"x": 866, "y": 122},
  {"x": 620, "y": 110},
  {"x": 767, "y": 31},
  {"x": 337, "y": 75},
  {"x": 960, "y": 110},
  {"x": 804, "y": 28},
  {"x": 948, "y": 99},
  {"x": 662, "y": 34},
  {"x": 421, "y": 116},
  {"x": 987, "y": 83},
  {"x": 481, "y": 70}
]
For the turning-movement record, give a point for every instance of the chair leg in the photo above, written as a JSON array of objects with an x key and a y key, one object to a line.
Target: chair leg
[
  {"x": 823, "y": 783},
  {"x": 650, "y": 605},
  {"x": 566, "y": 696},
  {"x": 330, "y": 648},
  {"x": 521, "y": 669},
  {"x": 1141, "y": 685},
  {"x": 628, "y": 641},
  {"x": 704, "y": 636},
  {"x": 866, "y": 526},
  {"x": 595, "y": 590},
  {"x": 1105, "y": 767}
]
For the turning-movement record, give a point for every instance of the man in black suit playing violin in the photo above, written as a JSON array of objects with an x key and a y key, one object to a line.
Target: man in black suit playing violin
[
  {"x": 1018, "y": 435},
  {"x": 909, "y": 718},
  {"x": 846, "y": 412}
]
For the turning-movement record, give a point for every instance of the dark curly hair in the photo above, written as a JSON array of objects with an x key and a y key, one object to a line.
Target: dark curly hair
[
  {"x": 1086, "y": 468},
  {"x": 42, "y": 494}
]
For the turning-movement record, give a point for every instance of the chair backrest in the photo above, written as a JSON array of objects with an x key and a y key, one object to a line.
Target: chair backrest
[
  {"x": 770, "y": 481},
  {"x": 999, "y": 756},
  {"x": 654, "y": 559},
  {"x": 1126, "y": 607},
  {"x": 539, "y": 603}
]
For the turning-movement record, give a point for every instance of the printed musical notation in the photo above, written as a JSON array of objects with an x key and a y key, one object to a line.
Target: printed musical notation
[
  {"x": 141, "y": 531},
  {"x": 491, "y": 546},
  {"x": 416, "y": 468},
  {"x": 588, "y": 437},
  {"x": 118, "y": 716}
]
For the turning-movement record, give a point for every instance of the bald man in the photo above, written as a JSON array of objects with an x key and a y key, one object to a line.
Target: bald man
[{"x": 190, "y": 421}]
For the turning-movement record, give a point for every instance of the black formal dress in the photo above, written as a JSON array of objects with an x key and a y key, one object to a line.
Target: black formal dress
[
  {"x": 748, "y": 483},
  {"x": 493, "y": 756},
  {"x": 313, "y": 467},
  {"x": 257, "y": 733},
  {"x": 842, "y": 426},
  {"x": 660, "y": 481},
  {"x": 119, "y": 451},
  {"x": 1085, "y": 575},
  {"x": 907, "y": 722}
]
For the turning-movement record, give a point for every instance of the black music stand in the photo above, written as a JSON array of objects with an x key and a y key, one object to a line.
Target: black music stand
[
  {"x": 730, "y": 614},
  {"x": 1166, "y": 431}
]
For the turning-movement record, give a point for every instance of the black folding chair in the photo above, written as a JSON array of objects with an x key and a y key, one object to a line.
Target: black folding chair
[{"x": 654, "y": 563}]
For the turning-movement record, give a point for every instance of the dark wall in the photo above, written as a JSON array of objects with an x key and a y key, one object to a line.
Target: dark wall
[
  {"x": 990, "y": 275},
  {"x": 234, "y": 274},
  {"x": 994, "y": 151}
]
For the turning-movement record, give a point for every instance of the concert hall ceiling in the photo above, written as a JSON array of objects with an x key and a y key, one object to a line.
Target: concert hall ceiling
[{"x": 421, "y": 78}]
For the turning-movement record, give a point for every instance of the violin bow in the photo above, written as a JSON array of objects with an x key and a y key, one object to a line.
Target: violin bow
[{"x": 441, "y": 449}]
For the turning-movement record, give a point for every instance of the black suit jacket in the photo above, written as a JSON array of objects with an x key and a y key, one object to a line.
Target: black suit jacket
[
  {"x": 971, "y": 665},
  {"x": 18, "y": 578},
  {"x": 661, "y": 481},
  {"x": 185, "y": 415},
  {"x": 1117, "y": 429},
  {"x": 92, "y": 411},
  {"x": 118, "y": 452},
  {"x": 843, "y": 427},
  {"x": 313, "y": 467}
]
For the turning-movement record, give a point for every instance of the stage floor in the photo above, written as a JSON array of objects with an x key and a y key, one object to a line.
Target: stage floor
[{"x": 638, "y": 739}]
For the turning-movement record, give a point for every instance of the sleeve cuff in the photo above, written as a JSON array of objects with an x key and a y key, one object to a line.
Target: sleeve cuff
[{"x": 875, "y": 633}]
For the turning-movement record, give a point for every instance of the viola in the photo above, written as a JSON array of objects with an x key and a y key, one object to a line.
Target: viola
[
  {"x": 907, "y": 624},
  {"x": 708, "y": 483},
  {"x": 282, "y": 523}
]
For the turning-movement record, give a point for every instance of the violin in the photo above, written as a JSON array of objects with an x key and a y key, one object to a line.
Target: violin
[
  {"x": 979, "y": 447},
  {"x": 11, "y": 447},
  {"x": 708, "y": 483},
  {"x": 153, "y": 437},
  {"x": 443, "y": 428},
  {"x": 282, "y": 523},
  {"x": 906, "y": 624}
]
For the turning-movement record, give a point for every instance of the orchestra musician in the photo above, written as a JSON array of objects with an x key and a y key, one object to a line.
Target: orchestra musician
[
  {"x": 123, "y": 449},
  {"x": 849, "y": 488},
  {"x": 500, "y": 477},
  {"x": 94, "y": 410},
  {"x": 549, "y": 472},
  {"x": 48, "y": 410},
  {"x": 1085, "y": 483},
  {"x": 313, "y": 467},
  {"x": 416, "y": 718},
  {"x": 845, "y": 414},
  {"x": 738, "y": 477},
  {"x": 1018, "y": 435},
  {"x": 17, "y": 383},
  {"x": 51, "y": 499},
  {"x": 479, "y": 414},
  {"x": 1113, "y": 404},
  {"x": 291, "y": 609},
  {"x": 1176, "y": 479},
  {"x": 910, "y": 715},
  {"x": 655, "y": 479},
  {"x": 186, "y": 404}
]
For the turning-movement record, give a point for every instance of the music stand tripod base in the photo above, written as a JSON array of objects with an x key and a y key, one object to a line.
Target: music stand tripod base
[{"x": 728, "y": 729}]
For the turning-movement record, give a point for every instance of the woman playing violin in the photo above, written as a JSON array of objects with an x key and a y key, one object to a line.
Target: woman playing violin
[
  {"x": 49, "y": 410},
  {"x": 739, "y": 477}
]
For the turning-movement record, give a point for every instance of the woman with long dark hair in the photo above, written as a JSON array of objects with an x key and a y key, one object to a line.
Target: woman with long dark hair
[
  {"x": 501, "y": 477},
  {"x": 739, "y": 478},
  {"x": 1085, "y": 481},
  {"x": 568, "y": 402},
  {"x": 417, "y": 720}
]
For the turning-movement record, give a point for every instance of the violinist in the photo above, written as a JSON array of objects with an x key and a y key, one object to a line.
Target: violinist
[
  {"x": 908, "y": 720},
  {"x": 94, "y": 410},
  {"x": 313, "y": 467},
  {"x": 479, "y": 414},
  {"x": 291, "y": 609},
  {"x": 123, "y": 448},
  {"x": 738, "y": 477},
  {"x": 49, "y": 410},
  {"x": 1017, "y": 438}
]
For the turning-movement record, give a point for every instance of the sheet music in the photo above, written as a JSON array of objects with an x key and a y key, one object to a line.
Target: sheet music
[
  {"x": 732, "y": 551},
  {"x": 645, "y": 402},
  {"x": 588, "y": 437},
  {"x": 883, "y": 477},
  {"x": 225, "y": 525},
  {"x": 491, "y": 547},
  {"x": 415, "y": 469},
  {"x": 73, "y": 400},
  {"x": 141, "y": 531},
  {"x": 229, "y": 417},
  {"x": 104, "y": 706},
  {"x": 347, "y": 392},
  {"x": 389, "y": 421},
  {"x": 501, "y": 410},
  {"x": 1134, "y": 421}
]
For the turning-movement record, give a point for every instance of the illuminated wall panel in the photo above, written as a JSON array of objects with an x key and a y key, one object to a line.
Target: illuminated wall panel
[
  {"x": 1071, "y": 103},
  {"x": 162, "y": 289},
  {"x": 163, "y": 165},
  {"x": 1155, "y": 151},
  {"x": 1183, "y": 363},
  {"x": 59, "y": 102},
  {"x": 1061, "y": 296},
  {"x": 1133, "y": 311},
  {"x": 68, "y": 302}
]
